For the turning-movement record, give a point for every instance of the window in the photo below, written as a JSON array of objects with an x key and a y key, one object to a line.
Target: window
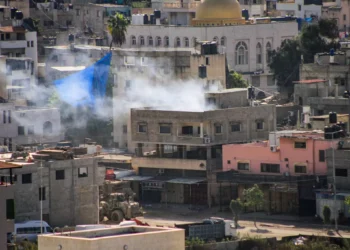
[
  {"x": 10, "y": 209},
  {"x": 7, "y": 36},
  {"x": 166, "y": 41},
  {"x": 344, "y": 17},
  {"x": 341, "y": 172},
  {"x": 133, "y": 40},
  {"x": 299, "y": 144},
  {"x": 300, "y": 169},
  {"x": 47, "y": 128},
  {"x": 142, "y": 41},
  {"x": 321, "y": 156},
  {"x": 59, "y": 174},
  {"x": 235, "y": 127},
  {"x": 125, "y": 129},
  {"x": 165, "y": 128},
  {"x": 215, "y": 39},
  {"x": 127, "y": 84},
  {"x": 28, "y": 44},
  {"x": 2, "y": 37},
  {"x": 129, "y": 60},
  {"x": 77, "y": 12},
  {"x": 241, "y": 53},
  {"x": 207, "y": 61},
  {"x": 218, "y": 129},
  {"x": 259, "y": 125},
  {"x": 158, "y": 41},
  {"x": 26, "y": 178},
  {"x": 31, "y": 130},
  {"x": 4, "y": 116},
  {"x": 194, "y": 41},
  {"x": 269, "y": 168},
  {"x": 228, "y": 162},
  {"x": 258, "y": 54},
  {"x": 177, "y": 42},
  {"x": 9, "y": 116},
  {"x": 268, "y": 52},
  {"x": 223, "y": 41},
  {"x": 142, "y": 128},
  {"x": 150, "y": 41},
  {"x": 299, "y": 7},
  {"x": 186, "y": 42},
  {"x": 243, "y": 166},
  {"x": 32, "y": 44},
  {"x": 42, "y": 194},
  {"x": 87, "y": 12},
  {"x": 82, "y": 172},
  {"x": 20, "y": 130},
  {"x": 98, "y": 13}
]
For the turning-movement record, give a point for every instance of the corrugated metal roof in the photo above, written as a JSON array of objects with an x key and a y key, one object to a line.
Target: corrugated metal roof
[{"x": 188, "y": 181}]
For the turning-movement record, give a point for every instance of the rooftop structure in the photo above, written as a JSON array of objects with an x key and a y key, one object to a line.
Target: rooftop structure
[{"x": 130, "y": 238}]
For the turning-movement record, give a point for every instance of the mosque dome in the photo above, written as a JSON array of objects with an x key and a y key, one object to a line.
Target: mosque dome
[{"x": 219, "y": 9}]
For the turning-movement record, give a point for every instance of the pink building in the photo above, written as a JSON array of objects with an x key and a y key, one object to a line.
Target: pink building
[
  {"x": 338, "y": 10},
  {"x": 292, "y": 153}
]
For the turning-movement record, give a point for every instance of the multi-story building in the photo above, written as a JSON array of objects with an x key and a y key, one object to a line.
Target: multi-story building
[
  {"x": 255, "y": 8},
  {"x": 68, "y": 189},
  {"x": 7, "y": 203},
  {"x": 339, "y": 11},
  {"x": 131, "y": 238},
  {"x": 245, "y": 43},
  {"x": 286, "y": 167},
  {"x": 300, "y": 8},
  {"x": 176, "y": 150}
]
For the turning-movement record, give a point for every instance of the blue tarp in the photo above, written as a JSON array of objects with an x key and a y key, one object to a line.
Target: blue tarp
[{"x": 84, "y": 87}]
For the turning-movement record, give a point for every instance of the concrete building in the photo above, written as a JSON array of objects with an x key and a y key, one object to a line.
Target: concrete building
[
  {"x": 300, "y": 8},
  {"x": 176, "y": 150},
  {"x": 69, "y": 191},
  {"x": 7, "y": 204},
  {"x": 245, "y": 43},
  {"x": 339, "y": 11},
  {"x": 255, "y": 8},
  {"x": 278, "y": 165},
  {"x": 131, "y": 238}
]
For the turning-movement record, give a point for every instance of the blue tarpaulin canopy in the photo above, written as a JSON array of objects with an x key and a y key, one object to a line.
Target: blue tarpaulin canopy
[{"x": 84, "y": 87}]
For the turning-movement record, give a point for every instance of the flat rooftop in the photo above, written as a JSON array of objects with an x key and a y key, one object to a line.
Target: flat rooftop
[
  {"x": 69, "y": 68},
  {"x": 226, "y": 91}
]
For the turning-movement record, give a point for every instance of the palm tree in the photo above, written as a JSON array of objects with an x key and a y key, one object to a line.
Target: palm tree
[{"x": 117, "y": 26}]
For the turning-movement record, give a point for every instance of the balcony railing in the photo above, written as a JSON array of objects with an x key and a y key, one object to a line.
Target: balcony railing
[{"x": 179, "y": 5}]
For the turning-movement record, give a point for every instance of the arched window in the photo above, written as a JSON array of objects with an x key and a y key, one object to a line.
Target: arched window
[
  {"x": 216, "y": 39},
  {"x": 142, "y": 41},
  {"x": 158, "y": 41},
  {"x": 133, "y": 40},
  {"x": 177, "y": 42},
  {"x": 268, "y": 51},
  {"x": 241, "y": 53},
  {"x": 47, "y": 128},
  {"x": 186, "y": 42},
  {"x": 223, "y": 41},
  {"x": 258, "y": 54},
  {"x": 166, "y": 41},
  {"x": 150, "y": 41},
  {"x": 194, "y": 41}
]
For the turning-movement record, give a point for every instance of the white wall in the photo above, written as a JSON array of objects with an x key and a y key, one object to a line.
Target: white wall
[{"x": 32, "y": 52}]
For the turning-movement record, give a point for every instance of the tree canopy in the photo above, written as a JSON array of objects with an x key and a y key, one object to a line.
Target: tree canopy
[
  {"x": 253, "y": 197},
  {"x": 117, "y": 26},
  {"x": 235, "y": 80}
]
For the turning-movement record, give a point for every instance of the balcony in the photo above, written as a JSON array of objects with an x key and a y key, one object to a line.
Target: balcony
[
  {"x": 164, "y": 163},
  {"x": 181, "y": 7},
  {"x": 13, "y": 44}
]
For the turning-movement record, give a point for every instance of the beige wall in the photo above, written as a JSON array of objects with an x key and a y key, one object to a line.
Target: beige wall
[
  {"x": 186, "y": 164},
  {"x": 153, "y": 238},
  {"x": 6, "y": 226}
]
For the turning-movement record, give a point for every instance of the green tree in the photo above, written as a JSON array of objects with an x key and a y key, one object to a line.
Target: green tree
[
  {"x": 117, "y": 26},
  {"x": 236, "y": 207},
  {"x": 253, "y": 197},
  {"x": 235, "y": 80},
  {"x": 326, "y": 215},
  {"x": 328, "y": 28},
  {"x": 26, "y": 245}
]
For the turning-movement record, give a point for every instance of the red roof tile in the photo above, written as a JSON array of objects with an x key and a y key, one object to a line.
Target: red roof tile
[
  {"x": 310, "y": 81},
  {"x": 11, "y": 29}
]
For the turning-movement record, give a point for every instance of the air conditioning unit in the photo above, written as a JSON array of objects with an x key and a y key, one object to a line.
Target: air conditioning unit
[
  {"x": 161, "y": 171},
  {"x": 273, "y": 148},
  {"x": 206, "y": 140}
]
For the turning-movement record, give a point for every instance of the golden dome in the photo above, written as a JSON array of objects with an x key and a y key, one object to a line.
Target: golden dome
[{"x": 219, "y": 9}]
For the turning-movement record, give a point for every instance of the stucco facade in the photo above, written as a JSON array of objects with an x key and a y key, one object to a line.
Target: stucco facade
[
  {"x": 7, "y": 224},
  {"x": 338, "y": 10}
]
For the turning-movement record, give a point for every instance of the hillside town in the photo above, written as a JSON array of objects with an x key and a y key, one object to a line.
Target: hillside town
[{"x": 174, "y": 124}]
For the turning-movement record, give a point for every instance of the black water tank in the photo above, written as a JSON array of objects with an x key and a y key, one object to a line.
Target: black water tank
[
  {"x": 332, "y": 117},
  {"x": 213, "y": 48},
  {"x": 328, "y": 132},
  {"x": 205, "y": 49},
  {"x": 152, "y": 19},
  {"x": 19, "y": 15},
  {"x": 71, "y": 37},
  {"x": 156, "y": 13},
  {"x": 245, "y": 14},
  {"x": 202, "y": 71},
  {"x": 70, "y": 6},
  {"x": 145, "y": 19},
  {"x": 13, "y": 13},
  {"x": 346, "y": 94}
]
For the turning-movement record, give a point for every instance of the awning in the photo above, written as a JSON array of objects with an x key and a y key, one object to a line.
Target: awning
[
  {"x": 188, "y": 181},
  {"x": 136, "y": 178}
]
